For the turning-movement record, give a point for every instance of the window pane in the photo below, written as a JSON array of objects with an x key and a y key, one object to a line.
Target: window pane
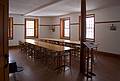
[
  {"x": 66, "y": 32},
  {"x": 29, "y": 24},
  {"x": 66, "y": 28},
  {"x": 90, "y": 27},
  {"x": 66, "y": 23},
  {"x": 30, "y": 32},
  {"x": 29, "y": 28}
]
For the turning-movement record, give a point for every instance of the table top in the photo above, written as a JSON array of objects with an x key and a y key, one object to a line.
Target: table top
[
  {"x": 49, "y": 46},
  {"x": 62, "y": 40}
]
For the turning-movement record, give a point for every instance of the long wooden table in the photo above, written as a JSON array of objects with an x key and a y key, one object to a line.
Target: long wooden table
[
  {"x": 60, "y": 51},
  {"x": 62, "y": 40},
  {"x": 49, "y": 46}
]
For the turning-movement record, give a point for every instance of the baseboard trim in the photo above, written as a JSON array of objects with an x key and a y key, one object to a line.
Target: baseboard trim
[
  {"x": 11, "y": 47},
  {"x": 108, "y": 54}
]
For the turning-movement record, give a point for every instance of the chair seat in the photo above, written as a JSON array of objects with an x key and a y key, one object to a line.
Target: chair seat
[{"x": 13, "y": 68}]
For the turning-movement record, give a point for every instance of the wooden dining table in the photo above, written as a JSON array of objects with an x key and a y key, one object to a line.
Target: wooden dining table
[
  {"x": 62, "y": 40},
  {"x": 49, "y": 46},
  {"x": 60, "y": 51}
]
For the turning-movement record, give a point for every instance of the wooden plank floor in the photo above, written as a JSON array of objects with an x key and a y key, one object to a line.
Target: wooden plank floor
[{"x": 106, "y": 69}]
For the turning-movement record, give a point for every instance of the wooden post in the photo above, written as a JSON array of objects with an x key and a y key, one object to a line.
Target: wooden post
[{"x": 83, "y": 36}]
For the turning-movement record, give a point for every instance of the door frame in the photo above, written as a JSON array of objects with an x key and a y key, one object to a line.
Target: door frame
[{"x": 4, "y": 41}]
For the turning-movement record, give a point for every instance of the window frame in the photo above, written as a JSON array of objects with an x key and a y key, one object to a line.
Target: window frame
[
  {"x": 35, "y": 28},
  {"x": 88, "y": 16},
  {"x": 62, "y": 28},
  {"x": 10, "y": 28}
]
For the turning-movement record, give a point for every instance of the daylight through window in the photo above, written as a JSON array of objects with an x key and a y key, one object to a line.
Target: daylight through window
[{"x": 31, "y": 28}]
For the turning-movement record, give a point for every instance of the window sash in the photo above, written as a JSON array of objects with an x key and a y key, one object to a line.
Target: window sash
[
  {"x": 31, "y": 28},
  {"x": 65, "y": 28},
  {"x": 30, "y": 24},
  {"x": 90, "y": 27},
  {"x": 66, "y": 32},
  {"x": 66, "y": 24},
  {"x": 30, "y": 32}
]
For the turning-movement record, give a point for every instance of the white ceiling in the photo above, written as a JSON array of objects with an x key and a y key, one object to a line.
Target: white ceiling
[{"x": 55, "y": 7}]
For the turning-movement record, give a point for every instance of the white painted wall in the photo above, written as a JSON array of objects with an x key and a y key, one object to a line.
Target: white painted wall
[
  {"x": 18, "y": 30},
  {"x": 44, "y": 30},
  {"x": 74, "y": 34},
  {"x": 109, "y": 40}
]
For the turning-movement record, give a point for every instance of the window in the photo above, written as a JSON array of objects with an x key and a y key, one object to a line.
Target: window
[
  {"x": 10, "y": 28},
  {"x": 31, "y": 28},
  {"x": 65, "y": 28},
  {"x": 90, "y": 27}
]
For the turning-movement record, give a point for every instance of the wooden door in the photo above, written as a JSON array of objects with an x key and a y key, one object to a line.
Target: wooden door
[{"x": 4, "y": 74}]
